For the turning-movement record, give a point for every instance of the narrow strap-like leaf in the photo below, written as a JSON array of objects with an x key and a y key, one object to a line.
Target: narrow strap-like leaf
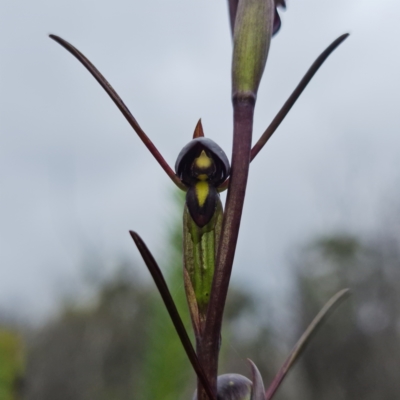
[
  {"x": 295, "y": 95},
  {"x": 172, "y": 310},
  {"x": 290, "y": 102},
  {"x": 122, "y": 107},
  {"x": 328, "y": 308}
]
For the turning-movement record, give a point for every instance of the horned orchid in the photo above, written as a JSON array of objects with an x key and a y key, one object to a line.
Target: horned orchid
[{"x": 210, "y": 232}]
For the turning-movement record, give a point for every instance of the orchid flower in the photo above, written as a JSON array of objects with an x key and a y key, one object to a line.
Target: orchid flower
[{"x": 203, "y": 170}]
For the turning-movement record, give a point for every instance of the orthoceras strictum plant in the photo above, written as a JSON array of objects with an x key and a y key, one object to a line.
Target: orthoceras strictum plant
[{"x": 202, "y": 170}]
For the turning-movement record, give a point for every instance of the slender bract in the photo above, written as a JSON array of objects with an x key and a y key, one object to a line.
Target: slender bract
[{"x": 199, "y": 251}]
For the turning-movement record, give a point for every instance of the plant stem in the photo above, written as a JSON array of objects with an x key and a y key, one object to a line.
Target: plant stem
[
  {"x": 252, "y": 28},
  {"x": 208, "y": 347}
]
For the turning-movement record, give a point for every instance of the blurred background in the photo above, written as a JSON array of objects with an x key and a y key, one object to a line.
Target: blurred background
[{"x": 321, "y": 211}]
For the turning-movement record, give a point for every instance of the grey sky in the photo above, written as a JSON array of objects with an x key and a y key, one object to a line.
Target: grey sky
[{"x": 74, "y": 177}]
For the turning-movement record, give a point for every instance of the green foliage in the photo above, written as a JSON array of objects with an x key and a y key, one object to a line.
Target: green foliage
[
  {"x": 11, "y": 364},
  {"x": 95, "y": 350}
]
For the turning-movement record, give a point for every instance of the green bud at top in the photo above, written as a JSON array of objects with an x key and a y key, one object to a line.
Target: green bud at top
[{"x": 252, "y": 36}]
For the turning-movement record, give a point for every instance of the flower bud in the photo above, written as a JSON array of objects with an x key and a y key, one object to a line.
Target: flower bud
[
  {"x": 252, "y": 37},
  {"x": 232, "y": 387},
  {"x": 202, "y": 166}
]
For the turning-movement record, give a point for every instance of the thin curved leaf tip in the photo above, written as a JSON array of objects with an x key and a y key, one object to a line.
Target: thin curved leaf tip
[
  {"x": 121, "y": 106},
  {"x": 258, "y": 391},
  {"x": 295, "y": 95}
]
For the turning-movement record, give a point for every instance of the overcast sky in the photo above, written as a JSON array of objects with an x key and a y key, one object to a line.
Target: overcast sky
[{"x": 74, "y": 177}]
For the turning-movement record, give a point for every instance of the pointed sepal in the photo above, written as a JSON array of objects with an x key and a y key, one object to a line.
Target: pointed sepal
[
  {"x": 198, "y": 131},
  {"x": 258, "y": 392}
]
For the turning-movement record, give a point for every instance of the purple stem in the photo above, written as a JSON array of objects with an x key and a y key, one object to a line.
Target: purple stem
[{"x": 243, "y": 112}]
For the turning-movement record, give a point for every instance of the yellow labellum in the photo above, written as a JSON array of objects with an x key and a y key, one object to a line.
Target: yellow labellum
[{"x": 202, "y": 192}]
